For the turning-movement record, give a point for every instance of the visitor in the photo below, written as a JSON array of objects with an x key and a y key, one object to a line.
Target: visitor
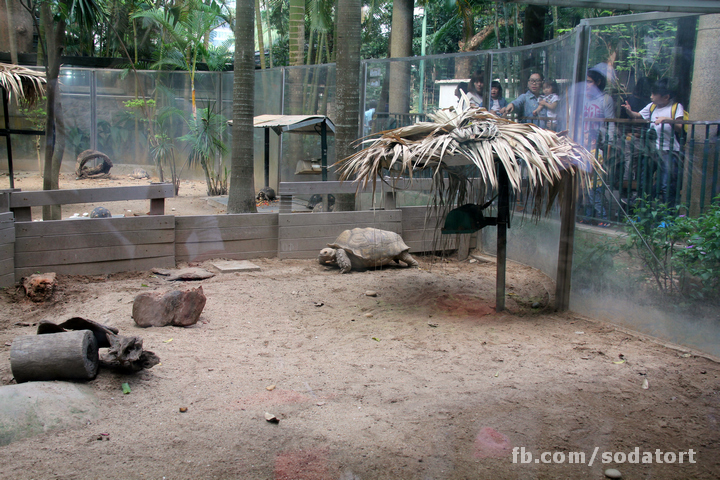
[
  {"x": 497, "y": 101},
  {"x": 528, "y": 101},
  {"x": 597, "y": 136},
  {"x": 662, "y": 109},
  {"x": 633, "y": 144},
  {"x": 475, "y": 89},
  {"x": 547, "y": 105}
]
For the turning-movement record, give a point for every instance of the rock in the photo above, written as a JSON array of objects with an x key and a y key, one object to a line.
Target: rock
[
  {"x": 176, "y": 308},
  {"x": 371, "y": 293},
  {"x": 34, "y": 408},
  {"x": 271, "y": 418},
  {"x": 613, "y": 473},
  {"x": 190, "y": 273},
  {"x": 40, "y": 287}
]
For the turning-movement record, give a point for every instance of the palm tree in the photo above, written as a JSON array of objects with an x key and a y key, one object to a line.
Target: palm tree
[
  {"x": 241, "y": 197},
  {"x": 400, "y": 46},
  {"x": 186, "y": 33}
]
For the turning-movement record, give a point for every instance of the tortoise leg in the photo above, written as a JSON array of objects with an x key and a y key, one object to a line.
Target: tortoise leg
[
  {"x": 408, "y": 260},
  {"x": 343, "y": 260}
]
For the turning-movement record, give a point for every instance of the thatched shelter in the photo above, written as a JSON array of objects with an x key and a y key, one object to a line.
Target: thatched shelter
[
  {"x": 26, "y": 87},
  {"x": 510, "y": 158}
]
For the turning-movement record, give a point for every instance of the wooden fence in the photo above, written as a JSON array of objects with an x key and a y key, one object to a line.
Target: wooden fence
[{"x": 96, "y": 246}]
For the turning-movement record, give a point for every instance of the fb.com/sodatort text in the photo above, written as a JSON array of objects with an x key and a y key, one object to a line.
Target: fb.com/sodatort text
[{"x": 521, "y": 455}]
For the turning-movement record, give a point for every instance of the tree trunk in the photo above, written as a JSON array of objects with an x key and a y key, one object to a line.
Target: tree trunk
[
  {"x": 241, "y": 198},
  {"x": 54, "y": 145},
  {"x": 16, "y": 29},
  {"x": 261, "y": 44},
  {"x": 400, "y": 46},
  {"x": 297, "y": 31},
  {"x": 347, "y": 97}
]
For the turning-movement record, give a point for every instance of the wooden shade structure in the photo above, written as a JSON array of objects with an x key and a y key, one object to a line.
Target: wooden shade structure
[{"x": 507, "y": 155}]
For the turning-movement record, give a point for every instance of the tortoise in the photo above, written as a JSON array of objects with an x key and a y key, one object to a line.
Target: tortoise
[
  {"x": 362, "y": 248},
  {"x": 100, "y": 212}
]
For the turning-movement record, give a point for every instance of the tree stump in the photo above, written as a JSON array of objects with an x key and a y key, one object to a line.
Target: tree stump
[{"x": 55, "y": 356}]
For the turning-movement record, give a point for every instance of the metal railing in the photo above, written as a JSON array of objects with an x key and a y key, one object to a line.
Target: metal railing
[{"x": 634, "y": 167}]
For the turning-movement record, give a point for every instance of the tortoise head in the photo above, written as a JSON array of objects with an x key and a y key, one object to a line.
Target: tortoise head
[{"x": 327, "y": 255}]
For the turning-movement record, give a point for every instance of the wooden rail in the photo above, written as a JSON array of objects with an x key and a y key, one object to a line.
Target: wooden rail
[{"x": 20, "y": 202}]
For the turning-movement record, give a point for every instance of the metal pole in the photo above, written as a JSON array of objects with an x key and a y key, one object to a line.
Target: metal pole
[
  {"x": 6, "y": 112},
  {"x": 502, "y": 226},
  {"x": 323, "y": 147},
  {"x": 421, "y": 99},
  {"x": 267, "y": 156},
  {"x": 93, "y": 109}
]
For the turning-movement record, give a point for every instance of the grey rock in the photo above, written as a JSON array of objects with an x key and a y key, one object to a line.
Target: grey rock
[
  {"x": 613, "y": 473},
  {"x": 178, "y": 308},
  {"x": 34, "y": 408}
]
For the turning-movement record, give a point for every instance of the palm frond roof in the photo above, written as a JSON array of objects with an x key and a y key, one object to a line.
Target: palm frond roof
[
  {"x": 24, "y": 84},
  {"x": 472, "y": 136}
]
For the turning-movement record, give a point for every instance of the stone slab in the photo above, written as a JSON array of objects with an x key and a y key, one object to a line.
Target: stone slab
[
  {"x": 228, "y": 266},
  {"x": 33, "y": 408}
]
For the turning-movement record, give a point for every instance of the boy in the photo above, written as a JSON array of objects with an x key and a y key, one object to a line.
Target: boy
[{"x": 660, "y": 110}]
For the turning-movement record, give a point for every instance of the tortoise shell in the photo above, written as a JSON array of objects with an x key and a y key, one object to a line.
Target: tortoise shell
[{"x": 370, "y": 246}]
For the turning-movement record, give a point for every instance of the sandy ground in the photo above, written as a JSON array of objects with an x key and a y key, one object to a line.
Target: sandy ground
[{"x": 424, "y": 381}]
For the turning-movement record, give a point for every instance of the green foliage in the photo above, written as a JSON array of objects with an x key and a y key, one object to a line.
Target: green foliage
[
  {"x": 644, "y": 48},
  {"x": 594, "y": 262},
  {"x": 204, "y": 140},
  {"x": 700, "y": 256},
  {"x": 682, "y": 253}
]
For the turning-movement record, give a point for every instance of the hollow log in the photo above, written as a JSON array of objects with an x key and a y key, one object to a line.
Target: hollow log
[{"x": 55, "y": 356}]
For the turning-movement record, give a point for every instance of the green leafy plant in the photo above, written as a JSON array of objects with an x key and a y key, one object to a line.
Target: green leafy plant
[
  {"x": 653, "y": 235},
  {"x": 681, "y": 252},
  {"x": 204, "y": 139},
  {"x": 700, "y": 256}
]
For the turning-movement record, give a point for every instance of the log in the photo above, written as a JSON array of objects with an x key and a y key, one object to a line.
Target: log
[{"x": 55, "y": 356}]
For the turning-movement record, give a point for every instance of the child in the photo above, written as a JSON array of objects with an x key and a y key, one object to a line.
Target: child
[
  {"x": 661, "y": 109},
  {"x": 547, "y": 104},
  {"x": 497, "y": 101}
]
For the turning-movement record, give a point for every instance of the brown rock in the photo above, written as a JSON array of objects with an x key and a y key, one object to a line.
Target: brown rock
[
  {"x": 40, "y": 286},
  {"x": 179, "y": 308}
]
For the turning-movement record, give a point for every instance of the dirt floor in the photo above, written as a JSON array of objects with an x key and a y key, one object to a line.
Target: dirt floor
[{"x": 423, "y": 381}]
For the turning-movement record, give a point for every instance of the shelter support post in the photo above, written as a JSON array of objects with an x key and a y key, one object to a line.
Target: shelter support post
[
  {"x": 503, "y": 222},
  {"x": 568, "y": 210},
  {"x": 6, "y": 112},
  {"x": 267, "y": 156}
]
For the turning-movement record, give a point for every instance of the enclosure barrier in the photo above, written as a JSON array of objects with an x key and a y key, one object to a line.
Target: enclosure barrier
[{"x": 109, "y": 245}]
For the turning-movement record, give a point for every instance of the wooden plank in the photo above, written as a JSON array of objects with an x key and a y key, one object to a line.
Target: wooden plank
[
  {"x": 7, "y": 265},
  {"x": 226, "y": 221},
  {"x": 93, "y": 255},
  {"x": 100, "y": 268},
  {"x": 7, "y": 235},
  {"x": 7, "y": 250},
  {"x": 226, "y": 234},
  {"x": 304, "y": 244},
  {"x": 227, "y": 256},
  {"x": 93, "y": 225},
  {"x": 333, "y": 218},
  {"x": 310, "y": 188},
  {"x": 332, "y": 230},
  {"x": 69, "y": 242},
  {"x": 303, "y": 254},
  {"x": 90, "y": 195},
  {"x": 5, "y": 219},
  {"x": 7, "y": 280},
  {"x": 221, "y": 248}
]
